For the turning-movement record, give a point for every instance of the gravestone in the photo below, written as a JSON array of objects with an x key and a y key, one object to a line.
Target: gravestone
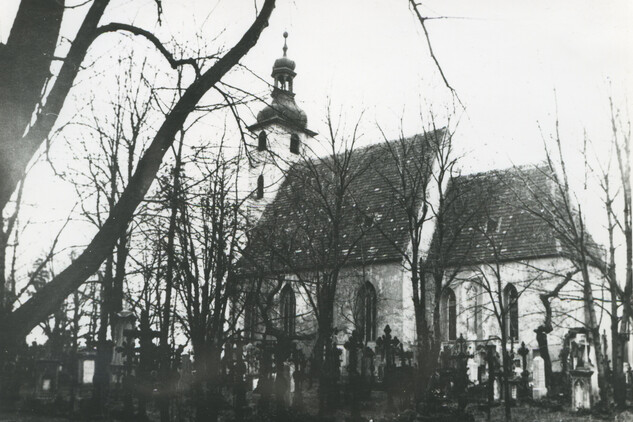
[
  {"x": 238, "y": 371},
  {"x": 264, "y": 377},
  {"x": 123, "y": 322},
  {"x": 281, "y": 384},
  {"x": 525, "y": 374},
  {"x": 580, "y": 376},
  {"x": 47, "y": 376},
  {"x": 86, "y": 366},
  {"x": 298, "y": 375},
  {"x": 386, "y": 346},
  {"x": 514, "y": 382},
  {"x": 354, "y": 346},
  {"x": 88, "y": 371},
  {"x": 186, "y": 373},
  {"x": 461, "y": 356},
  {"x": 473, "y": 371},
  {"x": 490, "y": 373},
  {"x": 367, "y": 371},
  {"x": 539, "y": 388},
  {"x": 581, "y": 388}
]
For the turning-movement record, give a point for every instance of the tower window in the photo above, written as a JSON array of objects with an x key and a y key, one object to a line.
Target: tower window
[
  {"x": 260, "y": 187},
  {"x": 511, "y": 297},
  {"x": 288, "y": 310},
  {"x": 366, "y": 311},
  {"x": 449, "y": 314},
  {"x": 294, "y": 143},
  {"x": 262, "y": 141}
]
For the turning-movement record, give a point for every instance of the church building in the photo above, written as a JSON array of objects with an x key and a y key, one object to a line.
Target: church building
[{"x": 313, "y": 218}]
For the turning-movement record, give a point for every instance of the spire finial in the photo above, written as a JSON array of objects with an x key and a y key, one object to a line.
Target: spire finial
[{"x": 285, "y": 45}]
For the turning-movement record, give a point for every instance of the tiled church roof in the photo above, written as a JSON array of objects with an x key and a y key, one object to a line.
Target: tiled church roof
[
  {"x": 503, "y": 215},
  {"x": 489, "y": 216},
  {"x": 482, "y": 201},
  {"x": 295, "y": 230}
]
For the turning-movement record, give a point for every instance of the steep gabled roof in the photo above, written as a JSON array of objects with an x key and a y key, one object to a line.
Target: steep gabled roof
[
  {"x": 296, "y": 232},
  {"x": 505, "y": 215}
]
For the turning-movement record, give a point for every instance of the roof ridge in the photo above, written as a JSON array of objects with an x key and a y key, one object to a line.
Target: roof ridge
[
  {"x": 505, "y": 170},
  {"x": 287, "y": 223},
  {"x": 384, "y": 142}
]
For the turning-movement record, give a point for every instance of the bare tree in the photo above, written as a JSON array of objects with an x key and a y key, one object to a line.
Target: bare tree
[
  {"x": 495, "y": 241},
  {"x": 553, "y": 202},
  {"x": 490, "y": 276},
  {"x": 612, "y": 175},
  {"x": 456, "y": 208},
  {"x": 423, "y": 166},
  {"x": 416, "y": 6},
  {"x": 616, "y": 187},
  {"x": 314, "y": 236},
  {"x": 27, "y": 57},
  {"x": 109, "y": 167},
  {"x": 208, "y": 231}
]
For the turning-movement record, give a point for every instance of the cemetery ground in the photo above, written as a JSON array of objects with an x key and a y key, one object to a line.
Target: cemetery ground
[
  {"x": 519, "y": 414},
  {"x": 373, "y": 409},
  {"x": 271, "y": 381}
]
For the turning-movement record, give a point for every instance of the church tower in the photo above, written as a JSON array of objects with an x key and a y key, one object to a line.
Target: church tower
[{"x": 282, "y": 136}]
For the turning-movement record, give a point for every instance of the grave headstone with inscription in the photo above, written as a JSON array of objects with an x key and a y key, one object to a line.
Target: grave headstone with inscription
[{"x": 539, "y": 388}]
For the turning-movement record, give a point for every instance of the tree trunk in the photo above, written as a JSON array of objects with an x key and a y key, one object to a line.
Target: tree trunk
[
  {"x": 507, "y": 396},
  {"x": 20, "y": 322},
  {"x": 541, "y": 339},
  {"x": 205, "y": 409},
  {"x": 25, "y": 67},
  {"x": 101, "y": 379},
  {"x": 618, "y": 380},
  {"x": 436, "y": 345},
  {"x": 326, "y": 371},
  {"x": 144, "y": 387},
  {"x": 27, "y": 58},
  {"x": 593, "y": 332},
  {"x": 122, "y": 253},
  {"x": 425, "y": 367},
  {"x": 165, "y": 361}
]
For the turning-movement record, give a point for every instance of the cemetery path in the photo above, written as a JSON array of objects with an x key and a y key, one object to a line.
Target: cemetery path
[
  {"x": 536, "y": 414},
  {"x": 20, "y": 417},
  {"x": 14, "y": 417}
]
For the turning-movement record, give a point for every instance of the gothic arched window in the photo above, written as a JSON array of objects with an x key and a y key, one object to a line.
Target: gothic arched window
[
  {"x": 473, "y": 316},
  {"x": 294, "y": 143},
  {"x": 260, "y": 187},
  {"x": 250, "y": 316},
  {"x": 366, "y": 319},
  {"x": 511, "y": 297},
  {"x": 288, "y": 310},
  {"x": 448, "y": 312},
  {"x": 262, "y": 141}
]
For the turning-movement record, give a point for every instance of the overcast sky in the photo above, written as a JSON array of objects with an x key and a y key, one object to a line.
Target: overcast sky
[
  {"x": 512, "y": 63},
  {"x": 504, "y": 58}
]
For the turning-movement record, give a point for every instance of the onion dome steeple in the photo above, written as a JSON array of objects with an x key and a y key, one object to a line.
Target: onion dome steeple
[
  {"x": 284, "y": 70},
  {"x": 283, "y": 108},
  {"x": 282, "y": 137}
]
